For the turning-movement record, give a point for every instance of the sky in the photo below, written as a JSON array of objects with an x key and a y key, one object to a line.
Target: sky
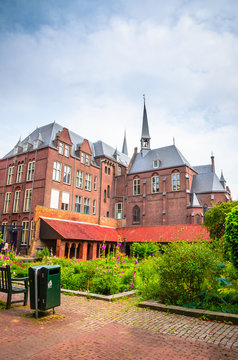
[{"x": 87, "y": 63}]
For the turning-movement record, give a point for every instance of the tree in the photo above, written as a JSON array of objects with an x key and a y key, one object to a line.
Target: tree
[
  {"x": 214, "y": 219},
  {"x": 231, "y": 235}
]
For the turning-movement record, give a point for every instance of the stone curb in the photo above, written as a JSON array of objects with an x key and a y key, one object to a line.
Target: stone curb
[
  {"x": 98, "y": 296},
  {"x": 198, "y": 313}
]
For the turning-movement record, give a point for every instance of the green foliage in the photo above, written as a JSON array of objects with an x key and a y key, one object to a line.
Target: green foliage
[
  {"x": 184, "y": 267},
  {"x": 214, "y": 219},
  {"x": 148, "y": 278},
  {"x": 145, "y": 249},
  {"x": 45, "y": 252},
  {"x": 231, "y": 235}
]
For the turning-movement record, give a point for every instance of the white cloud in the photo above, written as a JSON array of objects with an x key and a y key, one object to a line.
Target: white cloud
[{"x": 92, "y": 82}]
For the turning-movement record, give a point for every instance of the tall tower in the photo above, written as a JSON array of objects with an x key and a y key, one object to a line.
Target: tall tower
[{"x": 145, "y": 135}]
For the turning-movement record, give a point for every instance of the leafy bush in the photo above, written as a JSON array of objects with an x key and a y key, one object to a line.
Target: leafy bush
[
  {"x": 145, "y": 249},
  {"x": 215, "y": 218},
  {"x": 183, "y": 269},
  {"x": 148, "y": 278},
  {"x": 45, "y": 252},
  {"x": 231, "y": 235}
]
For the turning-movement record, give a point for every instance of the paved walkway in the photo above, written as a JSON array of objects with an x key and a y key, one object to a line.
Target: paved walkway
[{"x": 94, "y": 329}]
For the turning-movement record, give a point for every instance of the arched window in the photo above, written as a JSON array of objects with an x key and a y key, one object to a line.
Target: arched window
[
  {"x": 136, "y": 214},
  {"x": 198, "y": 219},
  {"x": 204, "y": 208},
  {"x": 108, "y": 191},
  {"x": 176, "y": 181},
  {"x": 105, "y": 196}
]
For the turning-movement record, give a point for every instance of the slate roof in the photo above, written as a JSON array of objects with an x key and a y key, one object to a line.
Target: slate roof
[
  {"x": 103, "y": 149},
  {"x": 206, "y": 183},
  {"x": 48, "y": 133},
  {"x": 194, "y": 201},
  {"x": 201, "y": 169},
  {"x": 169, "y": 156}
]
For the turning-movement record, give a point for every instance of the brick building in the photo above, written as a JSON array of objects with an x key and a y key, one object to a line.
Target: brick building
[{"x": 58, "y": 169}]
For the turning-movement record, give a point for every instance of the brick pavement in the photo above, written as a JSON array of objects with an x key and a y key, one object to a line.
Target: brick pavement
[{"x": 93, "y": 329}]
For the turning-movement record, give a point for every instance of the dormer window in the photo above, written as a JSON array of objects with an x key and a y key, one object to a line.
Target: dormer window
[
  {"x": 156, "y": 164},
  {"x": 61, "y": 148}
]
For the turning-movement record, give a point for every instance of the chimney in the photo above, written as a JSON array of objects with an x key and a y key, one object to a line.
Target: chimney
[{"x": 213, "y": 163}]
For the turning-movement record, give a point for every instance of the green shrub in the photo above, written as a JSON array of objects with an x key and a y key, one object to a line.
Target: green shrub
[
  {"x": 45, "y": 252},
  {"x": 231, "y": 235},
  {"x": 145, "y": 249},
  {"x": 184, "y": 269},
  {"x": 148, "y": 278}
]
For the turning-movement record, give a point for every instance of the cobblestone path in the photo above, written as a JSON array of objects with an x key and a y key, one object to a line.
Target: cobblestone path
[{"x": 94, "y": 329}]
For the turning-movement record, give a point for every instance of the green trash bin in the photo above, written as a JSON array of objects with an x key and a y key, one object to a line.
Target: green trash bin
[
  {"x": 48, "y": 286},
  {"x": 32, "y": 284}
]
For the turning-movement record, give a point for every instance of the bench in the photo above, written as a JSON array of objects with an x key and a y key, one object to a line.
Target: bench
[{"x": 11, "y": 286}]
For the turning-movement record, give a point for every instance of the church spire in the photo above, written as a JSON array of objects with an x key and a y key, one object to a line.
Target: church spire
[
  {"x": 124, "y": 146},
  {"x": 145, "y": 135}
]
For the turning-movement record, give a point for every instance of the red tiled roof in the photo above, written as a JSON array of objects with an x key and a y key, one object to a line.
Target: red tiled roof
[
  {"x": 81, "y": 231},
  {"x": 164, "y": 233}
]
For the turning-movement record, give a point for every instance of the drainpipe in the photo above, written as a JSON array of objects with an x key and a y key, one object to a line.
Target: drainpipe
[
  {"x": 32, "y": 191},
  {"x": 4, "y": 185},
  {"x": 100, "y": 189},
  {"x": 74, "y": 179}
]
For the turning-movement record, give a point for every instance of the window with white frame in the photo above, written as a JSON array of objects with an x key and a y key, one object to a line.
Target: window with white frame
[
  {"x": 79, "y": 179},
  {"x": 61, "y": 148},
  {"x": 54, "y": 200},
  {"x": 118, "y": 210},
  {"x": 25, "y": 231},
  {"x": 94, "y": 207},
  {"x": 4, "y": 235},
  {"x": 19, "y": 173},
  {"x": 65, "y": 201},
  {"x": 57, "y": 171},
  {"x": 87, "y": 159},
  {"x": 119, "y": 170},
  {"x": 16, "y": 201},
  {"x": 67, "y": 175},
  {"x": 10, "y": 175},
  {"x": 95, "y": 182},
  {"x": 176, "y": 182},
  {"x": 6, "y": 207},
  {"x": 31, "y": 232},
  {"x": 86, "y": 206},
  {"x": 66, "y": 150},
  {"x": 136, "y": 187},
  {"x": 78, "y": 204},
  {"x": 88, "y": 181},
  {"x": 30, "y": 171},
  {"x": 27, "y": 200},
  {"x": 82, "y": 157},
  {"x": 155, "y": 184}
]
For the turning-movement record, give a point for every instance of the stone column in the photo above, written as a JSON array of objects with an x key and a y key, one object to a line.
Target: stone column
[
  {"x": 94, "y": 255},
  {"x": 84, "y": 250}
]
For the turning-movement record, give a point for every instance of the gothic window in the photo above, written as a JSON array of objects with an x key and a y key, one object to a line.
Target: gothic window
[
  {"x": 136, "y": 214},
  {"x": 136, "y": 186},
  {"x": 155, "y": 184},
  {"x": 176, "y": 181}
]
